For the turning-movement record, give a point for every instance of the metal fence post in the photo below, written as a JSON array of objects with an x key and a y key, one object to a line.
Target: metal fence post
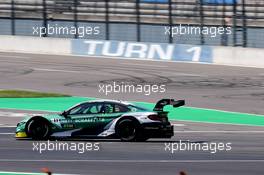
[
  {"x": 170, "y": 22},
  {"x": 234, "y": 23},
  {"x": 244, "y": 23},
  {"x": 76, "y": 18},
  {"x": 224, "y": 37},
  {"x": 202, "y": 21},
  {"x": 44, "y": 13},
  {"x": 13, "y": 27},
  {"x": 107, "y": 20},
  {"x": 138, "y": 20}
]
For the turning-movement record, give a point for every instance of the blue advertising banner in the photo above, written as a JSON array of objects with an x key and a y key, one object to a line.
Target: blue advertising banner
[
  {"x": 220, "y": 2},
  {"x": 155, "y": 1},
  {"x": 136, "y": 50}
]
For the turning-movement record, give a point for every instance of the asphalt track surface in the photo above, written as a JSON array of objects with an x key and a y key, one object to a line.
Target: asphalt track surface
[
  {"x": 148, "y": 158},
  {"x": 217, "y": 87}
]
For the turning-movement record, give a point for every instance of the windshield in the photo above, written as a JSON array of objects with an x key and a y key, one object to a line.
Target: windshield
[{"x": 134, "y": 108}]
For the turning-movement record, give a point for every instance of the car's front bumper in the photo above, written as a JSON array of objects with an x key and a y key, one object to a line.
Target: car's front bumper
[
  {"x": 20, "y": 130},
  {"x": 158, "y": 130}
]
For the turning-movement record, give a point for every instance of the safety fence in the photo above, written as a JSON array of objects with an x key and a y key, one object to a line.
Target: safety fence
[{"x": 165, "y": 21}]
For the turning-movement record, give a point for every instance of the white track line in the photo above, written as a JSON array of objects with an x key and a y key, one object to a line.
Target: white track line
[
  {"x": 216, "y": 123},
  {"x": 32, "y": 109},
  {"x": 178, "y": 124},
  {"x": 186, "y": 74},
  {"x": 234, "y": 132},
  {"x": 189, "y": 132},
  {"x": 134, "y": 161},
  {"x": 8, "y": 133},
  {"x": 218, "y": 110},
  {"x": 56, "y": 70},
  {"x": 7, "y": 126},
  {"x": 27, "y": 173},
  {"x": 14, "y": 56},
  {"x": 14, "y": 114},
  {"x": 144, "y": 65}
]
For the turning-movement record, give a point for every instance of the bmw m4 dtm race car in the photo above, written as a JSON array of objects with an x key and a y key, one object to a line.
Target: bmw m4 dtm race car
[{"x": 102, "y": 119}]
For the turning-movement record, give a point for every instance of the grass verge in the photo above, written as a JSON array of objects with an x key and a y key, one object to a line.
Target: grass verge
[
  {"x": 28, "y": 94},
  {"x": 182, "y": 113}
]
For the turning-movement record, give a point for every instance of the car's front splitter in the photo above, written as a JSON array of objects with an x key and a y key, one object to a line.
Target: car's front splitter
[{"x": 21, "y": 135}]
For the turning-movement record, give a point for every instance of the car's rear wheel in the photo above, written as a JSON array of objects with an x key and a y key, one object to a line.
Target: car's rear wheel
[
  {"x": 38, "y": 128},
  {"x": 127, "y": 129}
]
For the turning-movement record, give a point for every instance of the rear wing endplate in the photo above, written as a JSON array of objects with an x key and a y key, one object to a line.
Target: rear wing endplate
[{"x": 164, "y": 102}]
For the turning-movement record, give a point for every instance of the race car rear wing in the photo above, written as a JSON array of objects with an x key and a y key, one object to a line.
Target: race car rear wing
[{"x": 164, "y": 102}]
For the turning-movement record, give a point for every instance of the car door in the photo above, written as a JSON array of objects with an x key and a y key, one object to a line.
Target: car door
[
  {"x": 91, "y": 118},
  {"x": 68, "y": 123},
  {"x": 112, "y": 111},
  {"x": 88, "y": 119},
  {"x": 82, "y": 116}
]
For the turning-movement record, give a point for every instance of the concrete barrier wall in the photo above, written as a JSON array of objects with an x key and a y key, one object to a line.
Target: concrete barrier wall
[
  {"x": 249, "y": 57},
  {"x": 35, "y": 45},
  {"x": 232, "y": 56}
]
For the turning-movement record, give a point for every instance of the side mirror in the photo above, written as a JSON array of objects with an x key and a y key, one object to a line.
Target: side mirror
[{"x": 64, "y": 113}]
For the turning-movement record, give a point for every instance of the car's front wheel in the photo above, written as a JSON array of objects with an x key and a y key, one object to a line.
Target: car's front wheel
[{"x": 38, "y": 128}]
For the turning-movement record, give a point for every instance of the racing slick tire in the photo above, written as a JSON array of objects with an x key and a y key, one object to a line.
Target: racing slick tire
[
  {"x": 38, "y": 128},
  {"x": 127, "y": 129}
]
